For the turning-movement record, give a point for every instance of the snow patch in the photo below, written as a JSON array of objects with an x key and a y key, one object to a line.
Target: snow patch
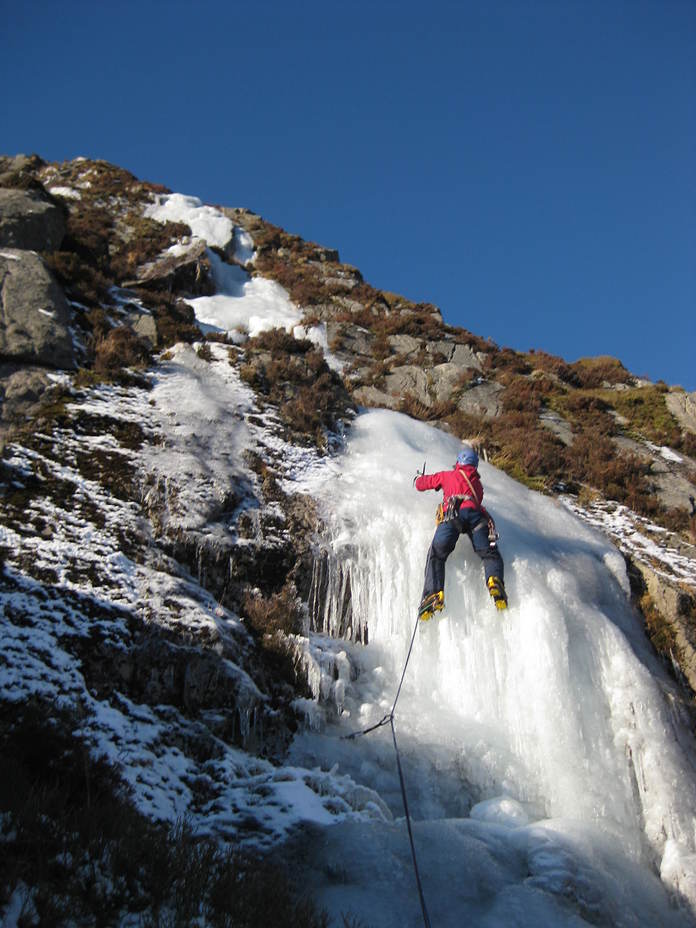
[
  {"x": 243, "y": 246},
  {"x": 68, "y": 193},
  {"x": 205, "y": 222},
  {"x": 666, "y": 453},
  {"x": 242, "y": 303}
]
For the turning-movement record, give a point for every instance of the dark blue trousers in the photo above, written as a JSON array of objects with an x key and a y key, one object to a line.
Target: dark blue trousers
[{"x": 468, "y": 522}]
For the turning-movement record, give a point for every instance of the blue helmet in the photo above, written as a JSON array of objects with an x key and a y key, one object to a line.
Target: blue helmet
[{"x": 468, "y": 456}]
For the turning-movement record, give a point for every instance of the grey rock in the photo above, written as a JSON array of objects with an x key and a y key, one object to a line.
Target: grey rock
[
  {"x": 560, "y": 427},
  {"x": 408, "y": 379},
  {"x": 673, "y": 482},
  {"x": 445, "y": 381},
  {"x": 13, "y": 165},
  {"x": 349, "y": 339},
  {"x": 623, "y": 443},
  {"x": 341, "y": 283},
  {"x": 404, "y": 344},
  {"x": 464, "y": 356},
  {"x": 441, "y": 347},
  {"x": 439, "y": 384},
  {"x": 346, "y": 303},
  {"x": 683, "y": 408},
  {"x": 34, "y": 314},
  {"x": 144, "y": 326},
  {"x": 28, "y": 220},
  {"x": 164, "y": 266},
  {"x": 189, "y": 271},
  {"x": 482, "y": 400},
  {"x": 20, "y": 391},
  {"x": 675, "y": 606},
  {"x": 374, "y": 397},
  {"x": 672, "y": 489},
  {"x": 460, "y": 355}
]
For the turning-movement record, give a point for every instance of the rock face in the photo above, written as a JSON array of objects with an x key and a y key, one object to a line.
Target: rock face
[
  {"x": 29, "y": 220},
  {"x": 683, "y": 408},
  {"x": 676, "y": 608},
  {"x": 34, "y": 314}
]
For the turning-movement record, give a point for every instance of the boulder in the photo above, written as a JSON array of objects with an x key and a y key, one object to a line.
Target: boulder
[
  {"x": 20, "y": 391},
  {"x": 34, "y": 314},
  {"x": 30, "y": 220}
]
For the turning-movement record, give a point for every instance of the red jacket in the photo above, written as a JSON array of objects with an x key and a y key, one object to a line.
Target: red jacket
[{"x": 452, "y": 483}]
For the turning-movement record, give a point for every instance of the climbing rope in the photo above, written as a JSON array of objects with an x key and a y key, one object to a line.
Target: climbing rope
[{"x": 389, "y": 719}]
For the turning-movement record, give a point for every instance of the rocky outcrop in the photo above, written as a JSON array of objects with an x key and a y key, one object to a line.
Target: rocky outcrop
[
  {"x": 181, "y": 269},
  {"x": 34, "y": 314},
  {"x": 482, "y": 399},
  {"x": 670, "y": 613},
  {"x": 441, "y": 384},
  {"x": 683, "y": 408},
  {"x": 30, "y": 220}
]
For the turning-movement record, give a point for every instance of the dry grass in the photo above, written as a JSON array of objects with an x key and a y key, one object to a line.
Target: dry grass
[
  {"x": 120, "y": 348},
  {"x": 279, "y": 612},
  {"x": 551, "y": 364},
  {"x": 293, "y": 375},
  {"x": 595, "y": 372}
]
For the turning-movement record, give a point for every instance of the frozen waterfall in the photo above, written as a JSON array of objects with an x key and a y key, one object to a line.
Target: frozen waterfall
[{"x": 549, "y": 770}]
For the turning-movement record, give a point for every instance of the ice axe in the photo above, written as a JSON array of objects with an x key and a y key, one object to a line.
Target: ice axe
[{"x": 419, "y": 473}]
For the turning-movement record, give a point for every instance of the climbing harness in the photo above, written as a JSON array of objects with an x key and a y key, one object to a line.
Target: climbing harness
[
  {"x": 450, "y": 510},
  {"x": 388, "y": 719}
]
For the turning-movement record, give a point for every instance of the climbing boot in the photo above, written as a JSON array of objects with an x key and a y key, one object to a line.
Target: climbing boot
[
  {"x": 497, "y": 590},
  {"x": 432, "y": 603}
]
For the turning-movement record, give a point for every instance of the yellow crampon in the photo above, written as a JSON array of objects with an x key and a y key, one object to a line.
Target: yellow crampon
[
  {"x": 497, "y": 590},
  {"x": 431, "y": 604}
]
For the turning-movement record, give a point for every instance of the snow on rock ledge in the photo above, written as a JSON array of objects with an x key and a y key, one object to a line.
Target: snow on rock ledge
[{"x": 205, "y": 222}]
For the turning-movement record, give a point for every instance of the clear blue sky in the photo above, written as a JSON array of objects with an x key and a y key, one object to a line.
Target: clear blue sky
[{"x": 527, "y": 165}]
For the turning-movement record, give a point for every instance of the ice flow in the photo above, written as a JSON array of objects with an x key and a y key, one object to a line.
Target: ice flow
[{"x": 551, "y": 719}]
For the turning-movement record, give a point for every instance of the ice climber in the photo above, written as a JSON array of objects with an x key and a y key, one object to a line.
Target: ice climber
[{"x": 461, "y": 512}]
